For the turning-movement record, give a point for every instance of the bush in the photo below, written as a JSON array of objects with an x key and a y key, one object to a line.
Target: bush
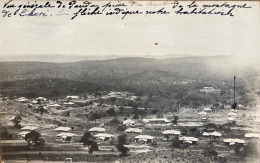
[
  {"x": 176, "y": 143},
  {"x": 121, "y": 128},
  {"x": 209, "y": 151}
]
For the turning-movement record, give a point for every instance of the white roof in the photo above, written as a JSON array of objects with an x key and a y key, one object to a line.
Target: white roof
[
  {"x": 156, "y": 119},
  {"x": 232, "y": 141},
  {"x": 62, "y": 129},
  {"x": 97, "y": 129},
  {"x": 41, "y": 98},
  {"x": 128, "y": 121},
  {"x": 230, "y": 118},
  {"x": 73, "y": 97},
  {"x": 137, "y": 130},
  {"x": 190, "y": 124},
  {"x": 184, "y": 138},
  {"x": 66, "y": 134},
  {"x": 171, "y": 132},
  {"x": 216, "y": 133},
  {"x": 207, "y": 109},
  {"x": 34, "y": 102},
  {"x": 23, "y": 133},
  {"x": 29, "y": 128},
  {"x": 104, "y": 135},
  {"x": 188, "y": 141},
  {"x": 54, "y": 105},
  {"x": 22, "y": 99},
  {"x": 252, "y": 135},
  {"x": 232, "y": 114},
  {"x": 203, "y": 113},
  {"x": 144, "y": 137},
  {"x": 70, "y": 103},
  {"x": 205, "y": 134},
  {"x": 212, "y": 133}
]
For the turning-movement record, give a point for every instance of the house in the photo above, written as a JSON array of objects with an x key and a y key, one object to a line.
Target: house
[
  {"x": 190, "y": 124},
  {"x": 203, "y": 113},
  {"x": 214, "y": 134},
  {"x": 69, "y": 103},
  {"x": 207, "y": 109},
  {"x": 41, "y": 99},
  {"x": 64, "y": 129},
  {"x": 133, "y": 130},
  {"x": 72, "y": 97},
  {"x": 232, "y": 141},
  {"x": 128, "y": 122},
  {"x": 232, "y": 114},
  {"x": 231, "y": 119},
  {"x": 21, "y": 99},
  {"x": 144, "y": 139},
  {"x": 65, "y": 136},
  {"x": 157, "y": 121},
  {"x": 252, "y": 135},
  {"x": 97, "y": 129},
  {"x": 103, "y": 137},
  {"x": 209, "y": 90},
  {"x": 34, "y": 102},
  {"x": 22, "y": 134},
  {"x": 186, "y": 139},
  {"x": 169, "y": 134},
  {"x": 29, "y": 128},
  {"x": 54, "y": 106}
]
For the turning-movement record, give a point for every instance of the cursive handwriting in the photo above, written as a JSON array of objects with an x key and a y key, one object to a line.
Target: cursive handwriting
[{"x": 74, "y": 9}]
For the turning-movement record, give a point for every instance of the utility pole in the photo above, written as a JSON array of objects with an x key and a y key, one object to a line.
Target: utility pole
[
  {"x": 234, "y": 90},
  {"x": 234, "y": 105}
]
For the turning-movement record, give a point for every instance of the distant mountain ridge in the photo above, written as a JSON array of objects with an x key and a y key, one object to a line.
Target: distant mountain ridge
[
  {"x": 74, "y": 58},
  {"x": 133, "y": 70}
]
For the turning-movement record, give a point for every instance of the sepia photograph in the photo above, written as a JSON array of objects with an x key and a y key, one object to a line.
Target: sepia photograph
[{"x": 129, "y": 82}]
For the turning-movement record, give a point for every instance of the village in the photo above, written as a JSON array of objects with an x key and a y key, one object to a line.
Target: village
[{"x": 112, "y": 126}]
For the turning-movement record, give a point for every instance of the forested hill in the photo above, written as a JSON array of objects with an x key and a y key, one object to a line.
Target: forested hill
[{"x": 135, "y": 73}]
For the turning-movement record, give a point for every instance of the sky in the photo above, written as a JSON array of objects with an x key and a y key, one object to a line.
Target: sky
[{"x": 134, "y": 36}]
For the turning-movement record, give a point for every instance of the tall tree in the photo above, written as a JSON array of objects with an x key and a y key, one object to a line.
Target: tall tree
[
  {"x": 86, "y": 139},
  {"x": 120, "y": 145}
]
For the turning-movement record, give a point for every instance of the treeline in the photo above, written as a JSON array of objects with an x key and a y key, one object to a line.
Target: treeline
[{"x": 159, "y": 96}]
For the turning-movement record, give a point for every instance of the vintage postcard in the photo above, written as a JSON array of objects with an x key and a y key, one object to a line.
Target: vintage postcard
[{"x": 129, "y": 81}]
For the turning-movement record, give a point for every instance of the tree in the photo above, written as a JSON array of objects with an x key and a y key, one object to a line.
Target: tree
[
  {"x": 86, "y": 139},
  {"x": 93, "y": 147},
  {"x": 113, "y": 100},
  {"x": 209, "y": 151},
  {"x": 175, "y": 120},
  {"x": 95, "y": 116},
  {"x": 111, "y": 112},
  {"x": 176, "y": 143},
  {"x": 69, "y": 99},
  {"x": 17, "y": 121},
  {"x": 120, "y": 145},
  {"x": 34, "y": 138},
  {"x": 136, "y": 116}
]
